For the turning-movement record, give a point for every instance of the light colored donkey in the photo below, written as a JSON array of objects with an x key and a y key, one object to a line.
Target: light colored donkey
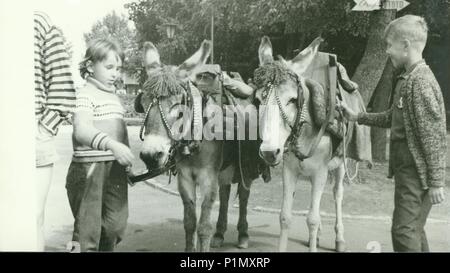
[{"x": 280, "y": 99}]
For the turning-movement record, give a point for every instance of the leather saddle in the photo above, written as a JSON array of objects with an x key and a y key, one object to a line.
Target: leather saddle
[{"x": 325, "y": 80}]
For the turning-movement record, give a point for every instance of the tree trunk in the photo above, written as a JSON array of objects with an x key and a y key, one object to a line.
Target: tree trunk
[
  {"x": 374, "y": 76},
  {"x": 370, "y": 69},
  {"x": 378, "y": 103},
  {"x": 290, "y": 45}
]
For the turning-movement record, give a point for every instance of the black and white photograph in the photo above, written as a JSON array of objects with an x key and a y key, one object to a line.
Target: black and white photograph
[{"x": 226, "y": 126}]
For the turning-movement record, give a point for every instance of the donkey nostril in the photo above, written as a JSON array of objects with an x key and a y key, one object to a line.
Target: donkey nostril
[
  {"x": 278, "y": 152},
  {"x": 159, "y": 154}
]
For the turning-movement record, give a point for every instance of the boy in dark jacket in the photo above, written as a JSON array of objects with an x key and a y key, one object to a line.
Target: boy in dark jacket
[{"x": 416, "y": 118}]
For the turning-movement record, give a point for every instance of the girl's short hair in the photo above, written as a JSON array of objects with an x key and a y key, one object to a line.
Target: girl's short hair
[
  {"x": 97, "y": 51},
  {"x": 411, "y": 27}
]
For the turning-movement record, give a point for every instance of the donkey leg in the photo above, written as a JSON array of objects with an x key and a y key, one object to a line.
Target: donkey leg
[
  {"x": 338, "y": 191},
  {"x": 289, "y": 181},
  {"x": 209, "y": 189},
  {"x": 313, "y": 220},
  {"x": 186, "y": 187},
  {"x": 224, "y": 196},
  {"x": 242, "y": 226},
  {"x": 222, "y": 221}
]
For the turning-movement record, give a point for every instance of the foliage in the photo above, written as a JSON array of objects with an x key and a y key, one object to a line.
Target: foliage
[
  {"x": 128, "y": 104},
  {"x": 117, "y": 27},
  {"x": 239, "y": 25},
  {"x": 290, "y": 24}
]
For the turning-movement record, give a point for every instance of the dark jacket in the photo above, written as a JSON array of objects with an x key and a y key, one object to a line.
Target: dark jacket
[{"x": 425, "y": 125}]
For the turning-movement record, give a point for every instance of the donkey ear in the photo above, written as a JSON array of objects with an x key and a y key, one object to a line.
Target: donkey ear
[
  {"x": 138, "y": 104},
  {"x": 150, "y": 56},
  {"x": 195, "y": 61},
  {"x": 265, "y": 51},
  {"x": 302, "y": 61}
]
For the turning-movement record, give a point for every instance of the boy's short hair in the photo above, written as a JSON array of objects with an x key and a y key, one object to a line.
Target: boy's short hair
[
  {"x": 96, "y": 51},
  {"x": 411, "y": 27}
]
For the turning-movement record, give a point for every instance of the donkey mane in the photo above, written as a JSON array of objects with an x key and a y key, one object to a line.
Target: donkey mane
[
  {"x": 275, "y": 72},
  {"x": 163, "y": 82}
]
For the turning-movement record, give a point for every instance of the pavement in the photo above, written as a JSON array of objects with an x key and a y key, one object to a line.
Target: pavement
[{"x": 155, "y": 221}]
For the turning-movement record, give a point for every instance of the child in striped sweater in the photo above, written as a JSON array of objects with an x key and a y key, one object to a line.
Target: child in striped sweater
[
  {"x": 54, "y": 95},
  {"x": 96, "y": 181}
]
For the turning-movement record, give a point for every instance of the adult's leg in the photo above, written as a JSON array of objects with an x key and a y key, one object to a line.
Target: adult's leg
[
  {"x": 46, "y": 156},
  {"x": 43, "y": 179}
]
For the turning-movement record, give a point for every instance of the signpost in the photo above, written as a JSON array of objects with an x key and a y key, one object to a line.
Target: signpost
[{"x": 369, "y": 5}]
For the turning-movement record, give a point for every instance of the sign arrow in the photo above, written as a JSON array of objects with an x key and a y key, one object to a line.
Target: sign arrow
[{"x": 369, "y": 5}]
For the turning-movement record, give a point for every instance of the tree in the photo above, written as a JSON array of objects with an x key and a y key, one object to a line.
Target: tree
[
  {"x": 375, "y": 75},
  {"x": 116, "y": 27},
  {"x": 290, "y": 24}
]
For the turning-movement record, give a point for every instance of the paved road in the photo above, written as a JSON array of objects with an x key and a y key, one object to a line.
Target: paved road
[{"x": 155, "y": 222}]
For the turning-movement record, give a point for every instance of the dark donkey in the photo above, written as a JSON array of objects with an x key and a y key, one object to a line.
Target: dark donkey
[
  {"x": 166, "y": 92},
  {"x": 241, "y": 162}
]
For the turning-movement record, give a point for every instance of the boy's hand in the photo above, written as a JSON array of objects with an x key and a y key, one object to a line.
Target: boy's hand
[
  {"x": 436, "y": 194},
  {"x": 121, "y": 152},
  {"x": 349, "y": 114}
]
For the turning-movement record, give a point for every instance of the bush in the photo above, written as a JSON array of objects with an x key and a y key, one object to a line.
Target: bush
[{"x": 128, "y": 103}]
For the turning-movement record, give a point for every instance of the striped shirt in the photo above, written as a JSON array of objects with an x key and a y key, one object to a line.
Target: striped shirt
[{"x": 54, "y": 88}]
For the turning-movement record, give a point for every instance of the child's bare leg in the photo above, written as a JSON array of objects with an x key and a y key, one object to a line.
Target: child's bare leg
[{"x": 43, "y": 179}]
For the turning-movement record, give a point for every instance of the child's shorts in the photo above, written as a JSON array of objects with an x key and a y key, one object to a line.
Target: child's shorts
[{"x": 45, "y": 147}]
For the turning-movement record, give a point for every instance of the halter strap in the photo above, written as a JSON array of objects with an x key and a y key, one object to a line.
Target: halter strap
[{"x": 295, "y": 127}]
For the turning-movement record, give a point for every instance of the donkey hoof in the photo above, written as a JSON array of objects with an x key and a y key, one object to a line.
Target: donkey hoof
[
  {"x": 190, "y": 249},
  {"x": 340, "y": 246},
  {"x": 217, "y": 241},
  {"x": 243, "y": 243},
  {"x": 317, "y": 242}
]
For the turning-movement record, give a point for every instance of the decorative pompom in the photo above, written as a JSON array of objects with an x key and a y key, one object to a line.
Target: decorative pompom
[
  {"x": 274, "y": 73},
  {"x": 163, "y": 82}
]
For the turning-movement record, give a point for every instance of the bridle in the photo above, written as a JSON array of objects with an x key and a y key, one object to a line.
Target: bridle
[
  {"x": 295, "y": 126},
  {"x": 175, "y": 143}
]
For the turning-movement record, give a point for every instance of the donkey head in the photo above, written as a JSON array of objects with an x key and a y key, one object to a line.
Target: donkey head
[
  {"x": 164, "y": 100},
  {"x": 278, "y": 85}
]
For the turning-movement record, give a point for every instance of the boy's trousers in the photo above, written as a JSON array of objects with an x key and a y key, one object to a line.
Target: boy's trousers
[
  {"x": 412, "y": 203},
  {"x": 98, "y": 197}
]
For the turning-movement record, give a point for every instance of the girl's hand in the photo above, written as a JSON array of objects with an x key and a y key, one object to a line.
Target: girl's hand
[{"x": 121, "y": 152}]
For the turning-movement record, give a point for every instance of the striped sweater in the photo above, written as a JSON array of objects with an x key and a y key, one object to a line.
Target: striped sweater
[
  {"x": 107, "y": 123},
  {"x": 425, "y": 124},
  {"x": 54, "y": 88}
]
